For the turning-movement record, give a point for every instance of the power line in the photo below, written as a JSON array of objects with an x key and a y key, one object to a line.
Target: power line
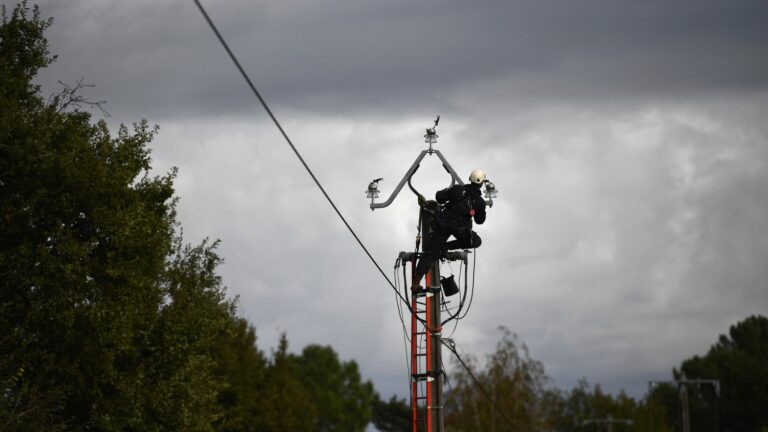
[
  {"x": 327, "y": 197},
  {"x": 452, "y": 348},
  {"x": 290, "y": 143}
]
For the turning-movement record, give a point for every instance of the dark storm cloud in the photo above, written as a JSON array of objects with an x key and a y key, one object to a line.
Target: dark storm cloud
[
  {"x": 600, "y": 47},
  {"x": 346, "y": 56},
  {"x": 627, "y": 140}
]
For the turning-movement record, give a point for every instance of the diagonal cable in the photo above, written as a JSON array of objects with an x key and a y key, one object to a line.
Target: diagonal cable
[
  {"x": 452, "y": 348},
  {"x": 290, "y": 143}
]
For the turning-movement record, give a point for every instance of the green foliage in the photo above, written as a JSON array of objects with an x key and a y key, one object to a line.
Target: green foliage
[
  {"x": 313, "y": 391},
  {"x": 584, "y": 408},
  {"x": 512, "y": 379},
  {"x": 23, "y": 52},
  {"x": 288, "y": 392},
  {"x": 342, "y": 401},
  {"x": 106, "y": 320},
  {"x": 241, "y": 368},
  {"x": 287, "y": 404},
  {"x": 391, "y": 416},
  {"x": 109, "y": 322},
  {"x": 516, "y": 384},
  {"x": 740, "y": 362}
]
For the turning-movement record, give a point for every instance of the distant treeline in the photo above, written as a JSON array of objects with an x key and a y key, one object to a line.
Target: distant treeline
[
  {"x": 109, "y": 321},
  {"x": 517, "y": 383}
]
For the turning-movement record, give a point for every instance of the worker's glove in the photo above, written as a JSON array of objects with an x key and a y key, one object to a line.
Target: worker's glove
[{"x": 421, "y": 200}]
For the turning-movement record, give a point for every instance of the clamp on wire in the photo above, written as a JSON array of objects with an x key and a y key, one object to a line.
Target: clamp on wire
[{"x": 449, "y": 343}]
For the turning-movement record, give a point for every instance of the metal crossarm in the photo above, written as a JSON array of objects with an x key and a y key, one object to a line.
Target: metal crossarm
[{"x": 454, "y": 177}]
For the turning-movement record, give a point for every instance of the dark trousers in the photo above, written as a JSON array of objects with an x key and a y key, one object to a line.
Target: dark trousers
[{"x": 435, "y": 243}]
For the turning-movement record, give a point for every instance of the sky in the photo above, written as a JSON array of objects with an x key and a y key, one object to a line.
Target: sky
[{"x": 628, "y": 142}]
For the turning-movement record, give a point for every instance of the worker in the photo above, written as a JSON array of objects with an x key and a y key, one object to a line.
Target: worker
[{"x": 460, "y": 205}]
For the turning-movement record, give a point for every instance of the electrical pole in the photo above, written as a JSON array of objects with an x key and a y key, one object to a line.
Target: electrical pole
[
  {"x": 426, "y": 325},
  {"x": 434, "y": 299},
  {"x": 682, "y": 387}
]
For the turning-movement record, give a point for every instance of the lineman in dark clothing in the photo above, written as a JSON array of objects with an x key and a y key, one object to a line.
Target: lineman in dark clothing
[{"x": 462, "y": 204}]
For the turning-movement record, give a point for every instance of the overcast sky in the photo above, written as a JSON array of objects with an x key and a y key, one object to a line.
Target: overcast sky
[{"x": 628, "y": 142}]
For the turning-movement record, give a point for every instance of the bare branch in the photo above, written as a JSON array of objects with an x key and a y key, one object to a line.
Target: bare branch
[{"x": 68, "y": 97}]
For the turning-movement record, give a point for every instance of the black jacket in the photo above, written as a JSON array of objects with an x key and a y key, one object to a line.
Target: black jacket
[{"x": 462, "y": 204}]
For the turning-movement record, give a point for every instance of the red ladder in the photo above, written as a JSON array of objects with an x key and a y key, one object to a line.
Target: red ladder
[{"x": 425, "y": 360}]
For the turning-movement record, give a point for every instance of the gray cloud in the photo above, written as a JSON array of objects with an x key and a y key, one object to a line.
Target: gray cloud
[
  {"x": 346, "y": 56},
  {"x": 627, "y": 140}
]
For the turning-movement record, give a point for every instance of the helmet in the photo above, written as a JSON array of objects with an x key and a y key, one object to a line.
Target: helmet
[{"x": 477, "y": 176}]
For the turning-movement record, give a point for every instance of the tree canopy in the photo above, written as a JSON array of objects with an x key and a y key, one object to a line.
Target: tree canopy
[
  {"x": 106, "y": 317},
  {"x": 108, "y": 320},
  {"x": 513, "y": 380},
  {"x": 739, "y": 362}
]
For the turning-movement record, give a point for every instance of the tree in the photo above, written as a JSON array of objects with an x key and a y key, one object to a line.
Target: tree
[
  {"x": 514, "y": 382},
  {"x": 287, "y": 404},
  {"x": 740, "y": 362},
  {"x": 242, "y": 369},
  {"x": 342, "y": 400},
  {"x": 568, "y": 411},
  {"x": 514, "y": 397},
  {"x": 391, "y": 416},
  {"x": 107, "y": 321}
]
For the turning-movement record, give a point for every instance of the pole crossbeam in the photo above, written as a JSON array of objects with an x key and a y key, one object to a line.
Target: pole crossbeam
[{"x": 454, "y": 177}]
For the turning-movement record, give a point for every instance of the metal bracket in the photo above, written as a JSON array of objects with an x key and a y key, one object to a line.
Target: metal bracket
[{"x": 454, "y": 177}]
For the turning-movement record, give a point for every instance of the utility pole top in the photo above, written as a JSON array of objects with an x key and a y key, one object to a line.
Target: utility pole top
[
  {"x": 427, "y": 304},
  {"x": 430, "y": 138}
]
